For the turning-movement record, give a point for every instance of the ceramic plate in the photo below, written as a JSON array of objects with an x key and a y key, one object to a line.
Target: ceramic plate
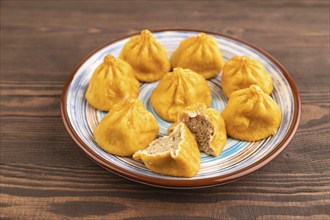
[{"x": 238, "y": 159}]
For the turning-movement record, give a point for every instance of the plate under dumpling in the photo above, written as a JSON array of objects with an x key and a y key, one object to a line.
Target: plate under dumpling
[{"x": 238, "y": 158}]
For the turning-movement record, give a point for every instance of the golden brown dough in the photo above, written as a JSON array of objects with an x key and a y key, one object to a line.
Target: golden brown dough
[
  {"x": 147, "y": 57},
  {"x": 173, "y": 155},
  {"x": 112, "y": 82},
  {"x": 240, "y": 72},
  {"x": 178, "y": 90},
  {"x": 201, "y": 54},
  {"x": 251, "y": 114},
  {"x": 127, "y": 127}
]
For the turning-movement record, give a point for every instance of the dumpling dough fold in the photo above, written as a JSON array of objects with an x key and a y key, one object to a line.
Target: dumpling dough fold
[
  {"x": 111, "y": 82},
  {"x": 240, "y": 72},
  {"x": 199, "y": 53},
  {"x": 178, "y": 90},
  {"x": 251, "y": 114},
  {"x": 127, "y": 128},
  {"x": 147, "y": 57}
]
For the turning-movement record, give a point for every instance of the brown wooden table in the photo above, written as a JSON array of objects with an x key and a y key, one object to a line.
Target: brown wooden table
[{"x": 45, "y": 176}]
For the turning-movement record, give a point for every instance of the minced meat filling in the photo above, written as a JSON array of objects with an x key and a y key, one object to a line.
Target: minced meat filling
[
  {"x": 167, "y": 143},
  {"x": 202, "y": 129}
]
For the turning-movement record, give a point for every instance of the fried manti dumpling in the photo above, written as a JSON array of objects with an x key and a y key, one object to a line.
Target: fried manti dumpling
[
  {"x": 111, "y": 82},
  {"x": 173, "y": 155},
  {"x": 147, "y": 57},
  {"x": 127, "y": 128},
  {"x": 201, "y": 54},
  {"x": 240, "y": 72},
  {"x": 207, "y": 125},
  {"x": 251, "y": 114},
  {"x": 178, "y": 90}
]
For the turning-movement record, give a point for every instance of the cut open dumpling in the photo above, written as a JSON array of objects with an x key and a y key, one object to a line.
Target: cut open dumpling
[
  {"x": 203, "y": 131},
  {"x": 173, "y": 155},
  {"x": 208, "y": 127}
]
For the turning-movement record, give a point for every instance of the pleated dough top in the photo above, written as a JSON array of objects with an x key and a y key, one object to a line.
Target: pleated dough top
[
  {"x": 147, "y": 57},
  {"x": 127, "y": 127},
  {"x": 178, "y": 90},
  {"x": 111, "y": 82},
  {"x": 240, "y": 72},
  {"x": 251, "y": 114},
  {"x": 201, "y": 54}
]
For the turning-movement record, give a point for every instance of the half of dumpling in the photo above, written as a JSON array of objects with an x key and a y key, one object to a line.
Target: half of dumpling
[
  {"x": 178, "y": 90},
  {"x": 147, "y": 57},
  {"x": 201, "y": 54},
  {"x": 127, "y": 127},
  {"x": 251, "y": 114},
  {"x": 111, "y": 82},
  {"x": 240, "y": 72},
  {"x": 173, "y": 155},
  {"x": 207, "y": 125}
]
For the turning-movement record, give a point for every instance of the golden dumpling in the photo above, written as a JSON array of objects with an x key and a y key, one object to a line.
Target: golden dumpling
[
  {"x": 241, "y": 72},
  {"x": 251, "y": 114},
  {"x": 112, "y": 81},
  {"x": 127, "y": 127},
  {"x": 173, "y": 155},
  {"x": 178, "y": 90},
  {"x": 201, "y": 54},
  {"x": 147, "y": 57},
  {"x": 208, "y": 127}
]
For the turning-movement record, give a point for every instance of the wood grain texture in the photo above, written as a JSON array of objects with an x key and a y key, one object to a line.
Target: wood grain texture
[{"x": 45, "y": 176}]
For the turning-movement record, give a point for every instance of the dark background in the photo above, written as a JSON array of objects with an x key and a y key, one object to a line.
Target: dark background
[{"x": 45, "y": 176}]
